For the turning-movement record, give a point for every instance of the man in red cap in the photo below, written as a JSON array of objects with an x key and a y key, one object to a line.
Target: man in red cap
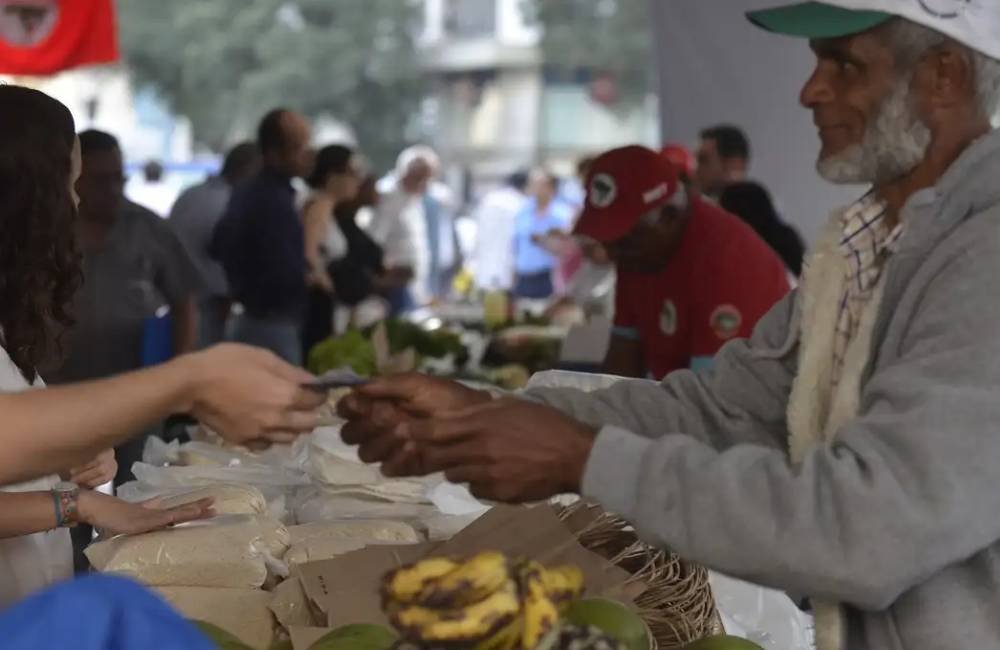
[
  {"x": 690, "y": 276},
  {"x": 682, "y": 159}
]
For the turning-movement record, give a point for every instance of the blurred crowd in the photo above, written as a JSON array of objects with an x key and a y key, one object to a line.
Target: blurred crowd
[{"x": 288, "y": 245}]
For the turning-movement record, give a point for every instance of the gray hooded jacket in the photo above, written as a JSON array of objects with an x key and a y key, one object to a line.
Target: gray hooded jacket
[{"x": 899, "y": 517}]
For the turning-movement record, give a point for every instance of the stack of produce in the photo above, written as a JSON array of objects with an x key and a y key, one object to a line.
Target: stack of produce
[
  {"x": 490, "y": 602},
  {"x": 487, "y": 601},
  {"x": 355, "y": 349}
]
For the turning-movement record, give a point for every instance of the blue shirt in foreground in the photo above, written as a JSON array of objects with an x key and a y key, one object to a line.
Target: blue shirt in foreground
[{"x": 97, "y": 613}]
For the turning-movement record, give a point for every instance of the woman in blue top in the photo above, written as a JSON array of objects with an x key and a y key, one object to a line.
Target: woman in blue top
[{"x": 542, "y": 214}]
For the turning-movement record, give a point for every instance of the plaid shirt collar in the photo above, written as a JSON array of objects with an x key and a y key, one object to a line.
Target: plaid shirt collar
[
  {"x": 866, "y": 242},
  {"x": 866, "y": 239}
]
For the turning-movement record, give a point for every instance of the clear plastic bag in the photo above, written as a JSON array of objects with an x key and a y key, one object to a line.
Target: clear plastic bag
[
  {"x": 158, "y": 451},
  {"x": 229, "y": 498},
  {"x": 456, "y": 500},
  {"x": 317, "y": 504},
  {"x": 228, "y": 501},
  {"x": 764, "y": 616},
  {"x": 330, "y": 461},
  {"x": 256, "y": 475},
  {"x": 236, "y": 552}
]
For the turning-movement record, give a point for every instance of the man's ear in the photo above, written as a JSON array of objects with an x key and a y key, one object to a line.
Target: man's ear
[{"x": 946, "y": 77}]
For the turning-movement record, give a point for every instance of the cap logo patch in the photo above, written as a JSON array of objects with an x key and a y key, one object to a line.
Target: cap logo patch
[
  {"x": 603, "y": 191},
  {"x": 668, "y": 318},
  {"x": 26, "y": 23},
  {"x": 945, "y": 9},
  {"x": 725, "y": 321},
  {"x": 656, "y": 193}
]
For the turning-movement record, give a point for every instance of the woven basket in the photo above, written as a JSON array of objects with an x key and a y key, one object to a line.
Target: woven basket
[{"x": 677, "y": 603}]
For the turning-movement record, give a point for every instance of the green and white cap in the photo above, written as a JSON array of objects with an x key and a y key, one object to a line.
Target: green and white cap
[{"x": 973, "y": 23}]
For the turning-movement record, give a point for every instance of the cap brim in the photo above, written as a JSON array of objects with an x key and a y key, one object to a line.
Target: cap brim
[{"x": 816, "y": 20}]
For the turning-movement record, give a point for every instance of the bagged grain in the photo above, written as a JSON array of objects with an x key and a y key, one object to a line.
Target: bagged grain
[
  {"x": 231, "y": 551},
  {"x": 244, "y": 613},
  {"x": 229, "y": 499},
  {"x": 366, "y": 531},
  {"x": 327, "y": 540}
]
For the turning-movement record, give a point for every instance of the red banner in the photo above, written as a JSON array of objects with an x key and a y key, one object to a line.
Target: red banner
[{"x": 41, "y": 37}]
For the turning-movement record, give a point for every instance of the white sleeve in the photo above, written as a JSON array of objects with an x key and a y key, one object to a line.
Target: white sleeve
[{"x": 398, "y": 242}]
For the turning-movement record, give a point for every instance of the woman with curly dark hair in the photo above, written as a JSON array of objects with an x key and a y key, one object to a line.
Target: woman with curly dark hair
[{"x": 245, "y": 393}]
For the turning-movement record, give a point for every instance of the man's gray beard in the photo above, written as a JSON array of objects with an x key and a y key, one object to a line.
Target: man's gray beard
[{"x": 895, "y": 142}]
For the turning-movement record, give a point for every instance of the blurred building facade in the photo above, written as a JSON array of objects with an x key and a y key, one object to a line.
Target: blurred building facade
[{"x": 493, "y": 106}]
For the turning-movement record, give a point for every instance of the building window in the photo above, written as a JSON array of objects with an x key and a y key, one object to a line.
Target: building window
[{"x": 470, "y": 18}]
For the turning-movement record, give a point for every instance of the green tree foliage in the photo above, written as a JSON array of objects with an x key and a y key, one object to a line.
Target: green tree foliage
[
  {"x": 601, "y": 36},
  {"x": 224, "y": 63}
]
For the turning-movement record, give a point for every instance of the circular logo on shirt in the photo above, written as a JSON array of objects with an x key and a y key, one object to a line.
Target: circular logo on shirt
[
  {"x": 668, "y": 318},
  {"x": 25, "y": 23},
  {"x": 725, "y": 321},
  {"x": 944, "y": 9},
  {"x": 603, "y": 191}
]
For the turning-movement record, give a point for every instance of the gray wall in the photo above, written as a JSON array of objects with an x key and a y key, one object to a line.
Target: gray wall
[{"x": 714, "y": 66}]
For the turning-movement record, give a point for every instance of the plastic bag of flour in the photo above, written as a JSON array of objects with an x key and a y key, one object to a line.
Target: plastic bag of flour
[
  {"x": 231, "y": 551},
  {"x": 327, "y": 540}
]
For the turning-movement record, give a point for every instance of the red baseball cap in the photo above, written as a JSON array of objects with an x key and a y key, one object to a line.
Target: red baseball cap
[
  {"x": 622, "y": 186},
  {"x": 680, "y": 156}
]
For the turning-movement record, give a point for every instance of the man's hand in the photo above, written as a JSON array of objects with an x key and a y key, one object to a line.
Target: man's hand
[
  {"x": 508, "y": 450},
  {"x": 96, "y": 473},
  {"x": 248, "y": 394},
  {"x": 376, "y": 410}
]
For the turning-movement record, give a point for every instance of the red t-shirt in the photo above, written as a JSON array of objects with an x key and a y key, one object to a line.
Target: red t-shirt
[{"x": 720, "y": 282}]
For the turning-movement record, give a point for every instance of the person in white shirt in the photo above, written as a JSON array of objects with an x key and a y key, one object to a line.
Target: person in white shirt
[
  {"x": 496, "y": 217},
  {"x": 399, "y": 224},
  {"x": 50, "y": 434},
  {"x": 414, "y": 224}
]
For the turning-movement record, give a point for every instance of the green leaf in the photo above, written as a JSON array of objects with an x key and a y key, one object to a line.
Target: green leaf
[{"x": 225, "y": 63}]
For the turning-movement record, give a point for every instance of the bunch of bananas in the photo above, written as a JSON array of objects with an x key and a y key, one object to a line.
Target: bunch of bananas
[{"x": 486, "y": 602}]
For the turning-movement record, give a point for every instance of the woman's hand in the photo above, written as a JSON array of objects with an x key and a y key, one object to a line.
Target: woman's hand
[
  {"x": 96, "y": 473},
  {"x": 116, "y": 517},
  {"x": 247, "y": 394}
]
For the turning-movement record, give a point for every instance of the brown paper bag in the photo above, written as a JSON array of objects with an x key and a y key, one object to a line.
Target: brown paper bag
[{"x": 346, "y": 589}]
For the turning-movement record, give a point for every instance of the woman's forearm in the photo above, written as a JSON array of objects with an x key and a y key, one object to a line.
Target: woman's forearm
[
  {"x": 24, "y": 513},
  {"x": 45, "y": 431}
]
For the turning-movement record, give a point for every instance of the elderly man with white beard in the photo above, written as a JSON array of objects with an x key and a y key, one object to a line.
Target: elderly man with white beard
[{"x": 848, "y": 450}]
